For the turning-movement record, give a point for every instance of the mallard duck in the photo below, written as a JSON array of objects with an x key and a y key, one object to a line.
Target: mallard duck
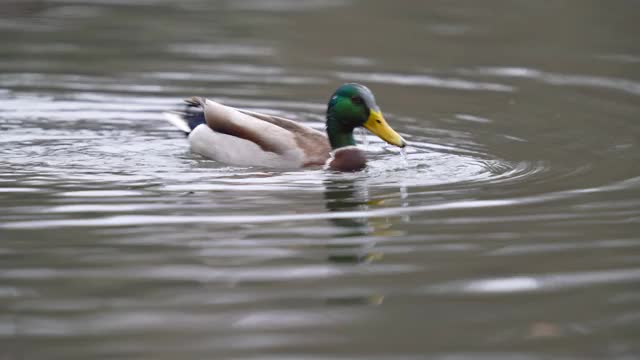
[{"x": 246, "y": 138}]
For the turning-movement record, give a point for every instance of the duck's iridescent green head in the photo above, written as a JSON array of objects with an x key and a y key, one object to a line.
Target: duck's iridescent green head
[{"x": 354, "y": 105}]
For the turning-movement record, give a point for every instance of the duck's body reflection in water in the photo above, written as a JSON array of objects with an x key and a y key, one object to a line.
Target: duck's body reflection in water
[
  {"x": 358, "y": 244},
  {"x": 347, "y": 195}
]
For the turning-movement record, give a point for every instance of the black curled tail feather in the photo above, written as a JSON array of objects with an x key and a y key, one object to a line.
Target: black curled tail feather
[
  {"x": 195, "y": 101},
  {"x": 194, "y": 112},
  {"x": 191, "y": 117}
]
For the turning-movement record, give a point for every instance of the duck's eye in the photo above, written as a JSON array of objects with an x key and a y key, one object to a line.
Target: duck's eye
[{"x": 357, "y": 100}]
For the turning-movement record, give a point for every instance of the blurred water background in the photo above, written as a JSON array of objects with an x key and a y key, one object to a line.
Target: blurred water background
[{"x": 512, "y": 233}]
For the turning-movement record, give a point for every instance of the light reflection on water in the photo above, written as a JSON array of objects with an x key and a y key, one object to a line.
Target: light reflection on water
[{"x": 510, "y": 230}]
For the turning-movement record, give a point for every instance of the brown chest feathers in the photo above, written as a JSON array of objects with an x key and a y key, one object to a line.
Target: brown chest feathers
[{"x": 348, "y": 158}]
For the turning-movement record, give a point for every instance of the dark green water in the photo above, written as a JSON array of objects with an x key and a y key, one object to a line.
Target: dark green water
[{"x": 512, "y": 233}]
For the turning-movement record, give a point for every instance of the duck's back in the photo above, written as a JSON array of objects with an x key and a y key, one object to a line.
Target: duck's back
[{"x": 312, "y": 142}]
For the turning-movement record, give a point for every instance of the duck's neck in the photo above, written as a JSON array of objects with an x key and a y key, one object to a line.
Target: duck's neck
[{"x": 339, "y": 134}]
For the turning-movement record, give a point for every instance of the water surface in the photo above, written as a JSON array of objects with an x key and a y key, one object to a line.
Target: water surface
[{"x": 512, "y": 232}]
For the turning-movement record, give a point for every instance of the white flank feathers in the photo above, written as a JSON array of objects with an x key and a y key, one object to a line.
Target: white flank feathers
[{"x": 237, "y": 151}]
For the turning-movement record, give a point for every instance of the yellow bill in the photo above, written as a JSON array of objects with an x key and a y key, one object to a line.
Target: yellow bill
[{"x": 378, "y": 125}]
